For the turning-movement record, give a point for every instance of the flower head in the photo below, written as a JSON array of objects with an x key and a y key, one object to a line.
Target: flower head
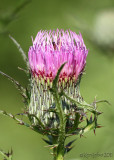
[
  {"x": 49, "y": 51},
  {"x": 52, "y": 48}
]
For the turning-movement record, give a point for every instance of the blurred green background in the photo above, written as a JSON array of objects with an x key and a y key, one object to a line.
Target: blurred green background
[{"x": 95, "y": 20}]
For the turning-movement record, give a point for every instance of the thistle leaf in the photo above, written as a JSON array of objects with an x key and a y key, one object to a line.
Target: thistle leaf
[
  {"x": 20, "y": 50},
  {"x": 48, "y": 142},
  {"x": 70, "y": 143},
  {"x": 21, "y": 69},
  {"x": 87, "y": 128},
  {"x": 34, "y": 116},
  {"x": 17, "y": 84},
  {"x": 15, "y": 118},
  {"x": 68, "y": 150},
  {"x": 68, "y": 147},
  {"x": 100, "y": 101},
  {"x": 50, "y": 137},
  {"x": 82, "y": 105}
]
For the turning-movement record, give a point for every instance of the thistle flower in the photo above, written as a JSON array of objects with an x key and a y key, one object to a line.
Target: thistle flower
[
  {"x": 49, "y": 51},
  {"x": 55, "y": 107},
  {"x": 53, "y": 48}
]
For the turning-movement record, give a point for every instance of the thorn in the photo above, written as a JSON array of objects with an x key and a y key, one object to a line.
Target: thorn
[
  {"x": 53, "y": 147},
  {"x": 99, "y": 113},
  {"x": 21, "y": 69},
  {"x": 99, "y": 126},
  {"x": 95, "y": 98},
  {"x": 68, "y": 147},
  {"x": 94, "y": 132},
  {"x": 81, "y": 135},
  {"x": 20, "y": 50},
  {"x": 21, "y": 123}
]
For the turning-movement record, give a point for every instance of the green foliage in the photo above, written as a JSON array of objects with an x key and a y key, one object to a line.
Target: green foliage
[
  {"x": 58, "y": 135},
  {"x": 7, "y": 156},
  {"x": 20, "y": 50}
]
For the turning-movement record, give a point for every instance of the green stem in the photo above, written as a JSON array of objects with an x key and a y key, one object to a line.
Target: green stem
[
  {"x": 59, "y": 153},
  {"x": 59, "y": 157},
  {"x": 60, "y": 150}
]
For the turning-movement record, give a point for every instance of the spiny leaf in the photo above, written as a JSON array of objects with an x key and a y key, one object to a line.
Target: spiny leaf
[
  {"x": 81, "y": 131},
  {"x": 7, "y": 156},
  {"x": 52, "y": 146},
  {"x": 88, "y": 128},
  {"x": 50, "y": 137},
  {"x": 35, "y": 128},
  {"x": 100, "y": 101},
  {"x": 70, "y": 143},
  {"x": 15, "y": 118},
  {"x": 17, "y": 84},
  {"x": 68, "y": 147},
  {"x": 75, "y": 101},
  {"x": 20, "y": 50},
  {"x": 21, "y": 69},
  {"x": 98, "y": 126},
  {"x": 34, "y": 116},
  {"x": 82, "y": 105},
  {"x": 28, "y": 95},
  {"x": 48, "y": 142}
]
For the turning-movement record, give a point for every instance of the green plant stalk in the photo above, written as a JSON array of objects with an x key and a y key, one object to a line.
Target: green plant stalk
[
  {"x": 59, "y": 155},
  {"x": 60, "y": 140}
]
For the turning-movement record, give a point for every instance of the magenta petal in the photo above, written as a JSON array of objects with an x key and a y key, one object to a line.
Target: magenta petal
[{"x": 52, "y": 48}]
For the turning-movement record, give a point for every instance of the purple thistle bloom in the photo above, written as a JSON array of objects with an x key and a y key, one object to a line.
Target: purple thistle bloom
[{"x": 51, "y": 49}]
